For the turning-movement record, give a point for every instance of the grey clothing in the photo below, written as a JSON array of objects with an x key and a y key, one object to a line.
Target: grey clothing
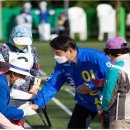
[{"x": 6, "y": 48}]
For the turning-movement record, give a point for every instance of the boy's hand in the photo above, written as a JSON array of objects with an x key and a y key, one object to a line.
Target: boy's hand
[
  {"x": 98, "y": 82},
  {"x": 84, "y": 89},
  {"x": 35, "y": 88},
  {"x": 35, "y": 107}
]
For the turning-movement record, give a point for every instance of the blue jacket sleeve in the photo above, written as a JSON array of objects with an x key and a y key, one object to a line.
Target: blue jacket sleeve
[
  {"x": 103, "y": 64},
  {"x": 9, "y": 112},
  {"x": 52, "y": 86}
]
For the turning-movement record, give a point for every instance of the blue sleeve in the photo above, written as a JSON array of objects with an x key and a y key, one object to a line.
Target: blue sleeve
[
  {"x": 51, "y": 87},
  {"x": 8, "y": 112},
  {"x": 103, "y": 64},
  {"x": 93, "y": 87}
]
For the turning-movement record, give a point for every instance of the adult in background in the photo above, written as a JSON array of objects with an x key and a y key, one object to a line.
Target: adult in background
[
  {"x": 63, "y": 24},
  {"x": 80, "y": 68},
  {"x": 116, "y": 92},
  {"x": 44, "y": 28},
  {"x": 20, "y": 19},
  {"x": 20, "y": 46},
  {"x": 25, "y": 16}
]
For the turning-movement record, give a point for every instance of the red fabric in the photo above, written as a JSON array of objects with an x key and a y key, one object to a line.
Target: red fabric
[
  {"x": 101, "y": 117},
  {"x": 38, "y": 66},
  {"x": 99, "y": 82},
  {"x": 17, "y": 122}
]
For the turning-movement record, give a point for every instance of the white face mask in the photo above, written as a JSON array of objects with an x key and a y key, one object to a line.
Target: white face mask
[
  {"x": 60, "y": 59},
  {"x": 19, "y": 82}
]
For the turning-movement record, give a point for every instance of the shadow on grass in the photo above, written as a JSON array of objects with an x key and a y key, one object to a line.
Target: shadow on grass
[
  {"x": 38, "y": 126},
  {"x": 96, "y": 124}
]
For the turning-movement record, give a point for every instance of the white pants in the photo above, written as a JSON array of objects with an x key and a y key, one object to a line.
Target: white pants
[{"x": 44, "y": 31}]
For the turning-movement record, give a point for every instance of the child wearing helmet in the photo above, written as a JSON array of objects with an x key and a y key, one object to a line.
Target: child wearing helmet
[{"x": 10, "y": 74}]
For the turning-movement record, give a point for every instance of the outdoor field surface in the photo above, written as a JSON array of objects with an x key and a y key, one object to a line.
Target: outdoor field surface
[{"x": 58, "y": 117}]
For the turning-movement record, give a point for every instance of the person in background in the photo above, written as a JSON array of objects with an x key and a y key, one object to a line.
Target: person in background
[
  {"x": 20, "y": 45},
  {"x": 27, "y": 14},
  {"x": 44, "y": 28},
  {"x": 14, "y": 72},
  {"x": 80, "y": 68},
  {"x": 20, "y": 19},
  {"x": 63, "y": 24},
  {"x": 116, "y": 92}
]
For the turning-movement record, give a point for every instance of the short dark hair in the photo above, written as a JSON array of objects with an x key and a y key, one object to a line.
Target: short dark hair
[
  {"x": 17, "y": 74},
  {"x": 63, "y": 42},
  {"x": 116, "y": 52}
]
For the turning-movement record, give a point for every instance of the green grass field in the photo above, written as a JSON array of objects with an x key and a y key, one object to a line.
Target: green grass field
[{"x": 58, "y": 117}]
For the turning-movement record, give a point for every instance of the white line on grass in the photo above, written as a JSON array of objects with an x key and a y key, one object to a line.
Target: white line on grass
[
  {"x": 70, "y": 91},
  {"x": 43, "y": 73},
  {"x": 62, "y": 106},
  {"x": 27, "y": 126}
]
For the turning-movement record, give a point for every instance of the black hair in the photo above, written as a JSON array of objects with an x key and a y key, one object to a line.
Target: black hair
[
  {"x": 116, "y": 52},
  {"x": 17, "y": 74},
  {"x": 104, "y": 2},
  {"x": 63, "y": 42}
]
